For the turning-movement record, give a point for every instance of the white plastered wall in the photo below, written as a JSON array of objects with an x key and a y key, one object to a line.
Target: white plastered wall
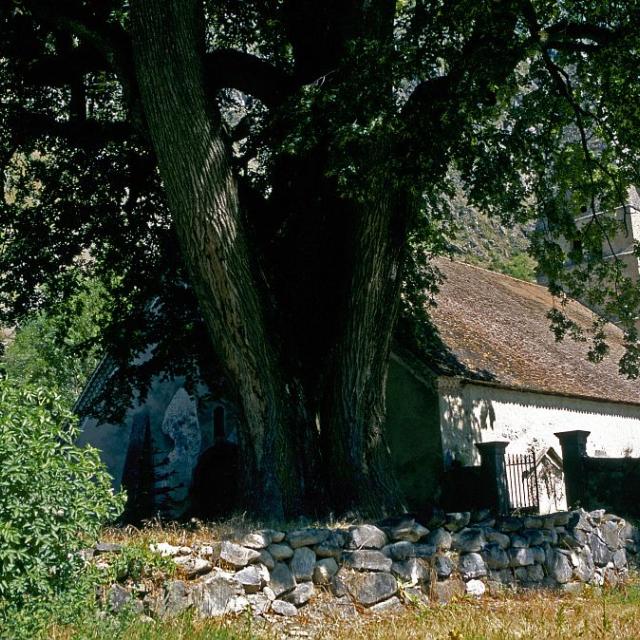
[{"x": 471, "y": 413}]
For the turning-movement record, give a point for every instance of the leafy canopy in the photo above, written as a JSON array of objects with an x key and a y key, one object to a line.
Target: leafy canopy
[{"x": 532, "y": 106}]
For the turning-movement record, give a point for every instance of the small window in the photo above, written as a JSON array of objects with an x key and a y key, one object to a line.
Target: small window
[{"x": 218, "y": 423}]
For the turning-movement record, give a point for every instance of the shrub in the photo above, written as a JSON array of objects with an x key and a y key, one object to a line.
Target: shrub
[{"x": 54, "y": 496}]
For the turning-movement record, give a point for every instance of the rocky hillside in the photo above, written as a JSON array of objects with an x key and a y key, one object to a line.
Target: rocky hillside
[{"x": 488, "y": 243}]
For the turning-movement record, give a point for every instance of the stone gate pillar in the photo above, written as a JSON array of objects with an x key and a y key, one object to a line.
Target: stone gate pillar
[
  {"x": 574, "y": 452},
  {"x": 494, "y": 475}
]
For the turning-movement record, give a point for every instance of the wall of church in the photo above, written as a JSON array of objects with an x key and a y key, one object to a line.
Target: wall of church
[
  {"x": 180, "y": 429},
  {"x": 472, "y": 413},
  {"x": 413, "y": 434}
]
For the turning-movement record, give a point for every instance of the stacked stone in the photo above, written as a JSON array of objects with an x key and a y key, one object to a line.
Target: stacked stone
[
  {"x": 563, "y": 550},
  {"x": 379, "y": 567}
]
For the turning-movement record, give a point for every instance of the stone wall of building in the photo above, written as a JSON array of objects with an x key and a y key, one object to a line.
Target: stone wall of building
[{"x": 385, "y": 566}]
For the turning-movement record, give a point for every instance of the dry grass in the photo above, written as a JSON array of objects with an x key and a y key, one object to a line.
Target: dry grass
[{"x": 529, "y": 616}]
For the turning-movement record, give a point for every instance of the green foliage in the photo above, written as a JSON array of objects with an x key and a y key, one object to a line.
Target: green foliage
[
  {"x": 54, "y": 496},
  {"x": 519, "y": 265},
  {"x": 59, "y": 348}
]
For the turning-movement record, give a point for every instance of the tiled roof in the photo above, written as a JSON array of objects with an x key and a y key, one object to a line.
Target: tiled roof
[{"x": 496, "y": 327}]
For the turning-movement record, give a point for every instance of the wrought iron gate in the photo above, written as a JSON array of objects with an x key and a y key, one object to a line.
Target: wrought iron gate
[{"x": 522, "y": 480}]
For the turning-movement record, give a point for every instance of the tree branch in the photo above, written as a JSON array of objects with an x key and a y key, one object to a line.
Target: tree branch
[
  {"x": 249, "y": 74},
  {"x": 84, "y": 133}
]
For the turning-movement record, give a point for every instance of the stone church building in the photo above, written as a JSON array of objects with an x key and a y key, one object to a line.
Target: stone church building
[{"x": 499, "y": 375}]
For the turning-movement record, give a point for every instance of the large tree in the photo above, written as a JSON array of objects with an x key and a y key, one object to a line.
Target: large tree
[{"x": 295, "y": 162}]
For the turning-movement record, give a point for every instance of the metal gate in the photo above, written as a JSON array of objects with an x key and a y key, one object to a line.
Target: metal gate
[{"x": 522, "y": 480}]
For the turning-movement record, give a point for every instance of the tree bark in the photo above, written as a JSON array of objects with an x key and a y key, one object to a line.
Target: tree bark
[
  {"x": 194, "y": 163},
  {"x": 360, "y": 476}
]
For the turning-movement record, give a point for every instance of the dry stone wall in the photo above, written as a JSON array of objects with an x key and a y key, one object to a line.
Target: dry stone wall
[{"x": 380, "y": 567}]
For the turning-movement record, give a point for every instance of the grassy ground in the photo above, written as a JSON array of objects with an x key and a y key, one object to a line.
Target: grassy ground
[{"x": 531, "y": 616}]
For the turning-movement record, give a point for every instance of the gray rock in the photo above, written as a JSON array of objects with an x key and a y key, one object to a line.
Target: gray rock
[
  {"x": 561, "y": 518},
  {"x": 501, "y": 539},
  {"x": 107, "y": 547},
  {"x": 412, "y": 570},
  {"x": 602, "y": 555},
  {"x": 468, "y": 540},
  {"x": 535, "y": 573},
  {"x": 399, "y": 551},
  {"x": 331, "y": 547},
  {"x": 597, "y": 515},
  {"x": 306, "y": 537},
  {"x": 519, "y": 541},
  {"x": 259, "y": 603},
  {"x": 252, "y": 578},
  {"x": 521, "y": 574},
  {"x": 367, "y": 560},
  {"x": 392, "y": 604},
  {"x": 481, "y": 515},
  {"x": 212, "y": 597},
  {"x": 424, "y": 550},
  {"x": 324, "y": 570},
  {"x": 443, "y": 566},
  {"x": 303, "y": 563},
  {"x": 534, "y": 537},
  {"x": 193, "y": 566},
  {"x": 256, "y": 540},
  {"x": 445, "y": 591},
  {"x": 579, "y": 519},
  {"x": 165, "y": 549},
  {"x": 415, "y": 596},
  {"x": 283, "y": 608},
  {"x": 409, "y": 530},
  {"x": 301, "y": 594},
  {"x": 560, "y": 568},
  {"x": 267, "y": 559},
  {"x": 234, "y": 554},
  {"x": 538, "y": 554},
  {"x": 508, "y": 525},
  {"x": 457, "y": 520},
  {"x": 118, "y": 598},
  {"x": 550, "y": 536},
  {"x": 437, "y": 519},
  {"x": 440, "y": 538},
  {"x": 502, "y": 576},
  {"x": 366, "y": 536},
  {"x": 610, "y": 533},
  {"x": 175, "y": 599},
  {"x": 282, "y": 579},
  {"x": 519, "y": 557},
  {"x": 533, "y": 522},
  {"x": 572, "y": 587},
  {"x": 276, "y": 536},
  {"x": 619, "y": 559},
  {"x": 370, "y": 588},
  {"x": 475, "y": 588},
  {"x": 237, "y": 604},
  {"x": 495, "y": 557},
  {"x": 339, "y": 583},
  {"x": 584, "y": 566},
  {"x": 280, "y": 551},
  {"x": 471, "y": 565}
]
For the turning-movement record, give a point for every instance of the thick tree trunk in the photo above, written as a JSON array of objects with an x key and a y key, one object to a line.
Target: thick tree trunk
[
  {"x": 353, "y": 413},
  {"x": 194, "y": 164}
]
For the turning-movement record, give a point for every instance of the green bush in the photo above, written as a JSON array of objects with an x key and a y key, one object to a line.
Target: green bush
[{"x": 54, "y": 496}]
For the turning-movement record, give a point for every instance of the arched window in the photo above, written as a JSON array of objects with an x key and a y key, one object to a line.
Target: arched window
[{"x": 218, "y": 424}]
